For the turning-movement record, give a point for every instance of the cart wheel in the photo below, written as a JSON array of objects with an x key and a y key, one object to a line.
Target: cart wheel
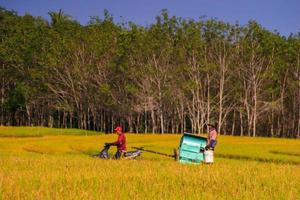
[{"x": 176, "y": 154}]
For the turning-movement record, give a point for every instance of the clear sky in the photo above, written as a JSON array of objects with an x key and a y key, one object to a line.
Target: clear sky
[{"x": 280, "y": 15}]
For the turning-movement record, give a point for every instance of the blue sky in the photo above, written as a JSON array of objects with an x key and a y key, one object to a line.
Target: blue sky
[{"x": 282, "y": 15}]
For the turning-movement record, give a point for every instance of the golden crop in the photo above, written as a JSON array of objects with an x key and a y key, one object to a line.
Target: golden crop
[{"x": 59, "y": 166}]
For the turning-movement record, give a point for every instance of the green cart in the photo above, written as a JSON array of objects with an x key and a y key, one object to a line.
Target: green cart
[{"x": 191, "y": 148}]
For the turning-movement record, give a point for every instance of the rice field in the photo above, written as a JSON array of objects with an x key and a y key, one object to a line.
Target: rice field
[{"x": 43, "y": 163}]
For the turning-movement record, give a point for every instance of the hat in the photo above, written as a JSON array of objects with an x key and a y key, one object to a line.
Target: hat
[{"x": 118, "y": 129}]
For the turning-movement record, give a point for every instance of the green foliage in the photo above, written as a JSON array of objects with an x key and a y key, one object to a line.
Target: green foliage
[
  {"x": 20, "y": 132},
  {"x": 105, "y": 89},
  {"x": 130, "y": 88},
  {"x": 173, "y": 73},
  {"x": 16, "y": 98}
]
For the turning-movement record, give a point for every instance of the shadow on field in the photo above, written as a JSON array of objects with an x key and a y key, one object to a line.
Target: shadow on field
[
  {"x": 20, "y": 136},
  {"x": 32, "y": 150},
  {"x": 85, "y": 152},
  {"x": 285, "y": 153},
  {"x": 258, "y": 159}
]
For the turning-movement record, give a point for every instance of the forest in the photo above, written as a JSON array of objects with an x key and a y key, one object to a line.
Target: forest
[{"x": 172, "y": 76}]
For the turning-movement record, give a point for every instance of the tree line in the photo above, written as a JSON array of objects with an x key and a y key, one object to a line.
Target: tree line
[{"x": 172, "y": 76}]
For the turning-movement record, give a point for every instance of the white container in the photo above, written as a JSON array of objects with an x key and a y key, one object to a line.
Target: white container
[{"x": 208, "y": 156}]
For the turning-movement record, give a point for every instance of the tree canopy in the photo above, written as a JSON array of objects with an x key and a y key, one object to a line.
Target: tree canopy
[{"x": 172, "y": 76}]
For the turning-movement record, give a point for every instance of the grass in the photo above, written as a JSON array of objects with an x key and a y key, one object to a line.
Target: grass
[
  {"x": 58, "y": 166},
  {"x": 9, "y": 131}
]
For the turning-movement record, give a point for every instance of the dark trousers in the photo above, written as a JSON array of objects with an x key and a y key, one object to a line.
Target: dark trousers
[
  {"x": 118, "y": 154},
  {"x": 211, "y": 145}
]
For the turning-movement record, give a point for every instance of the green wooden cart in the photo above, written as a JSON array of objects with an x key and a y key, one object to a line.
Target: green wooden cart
[{"x": 191, "y": 148}]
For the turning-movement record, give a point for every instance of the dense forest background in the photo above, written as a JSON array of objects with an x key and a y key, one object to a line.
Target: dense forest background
[{"x": 172, "y": 76}]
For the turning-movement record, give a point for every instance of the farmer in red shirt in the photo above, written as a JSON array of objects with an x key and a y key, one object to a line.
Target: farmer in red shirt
[{"x": 120, "y": 143}]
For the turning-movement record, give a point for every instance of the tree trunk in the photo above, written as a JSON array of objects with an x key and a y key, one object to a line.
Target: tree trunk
[
  {"x": 146, "y": 120},
  {"x": 241, "y": 124},
  {"x": 208, "y": 100},
  {"x": 254, "y": 110},
  {"x": 153, "y": 121},
  {"x": 233, "y": 123},
  {"x": 221, "y": 91},
  {"x": 298, "y": 75},
  {"x": 2, "y": 96}
]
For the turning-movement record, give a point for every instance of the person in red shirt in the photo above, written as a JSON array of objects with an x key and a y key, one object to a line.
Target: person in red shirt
[{"x": 120, "y": 143}]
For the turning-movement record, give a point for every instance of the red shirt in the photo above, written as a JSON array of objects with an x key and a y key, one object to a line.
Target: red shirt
[{"x": 121, "y": 142}]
